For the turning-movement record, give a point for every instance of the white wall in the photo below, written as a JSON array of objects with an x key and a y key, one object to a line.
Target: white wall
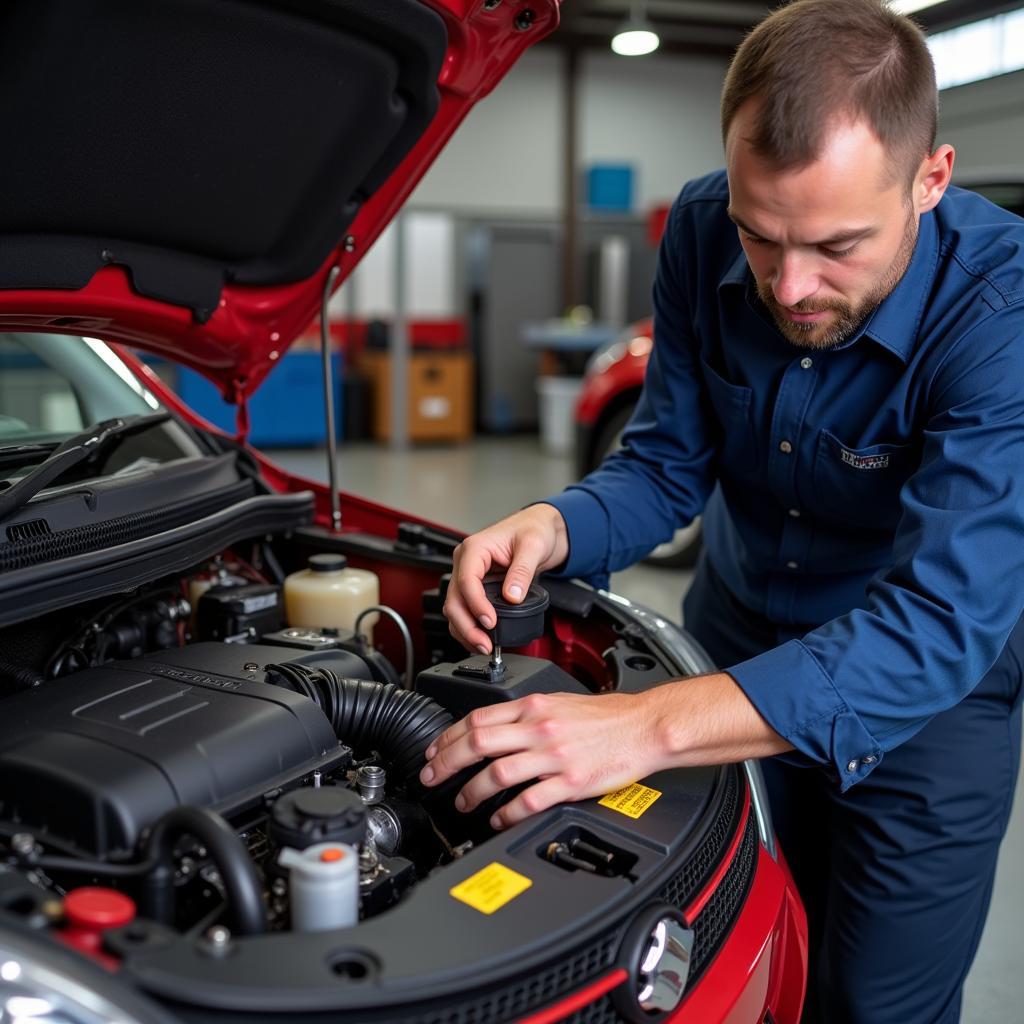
[
  {"x": 984, "y": 122},
  {"x": 658, "y": 113},
  {"x": 506, "y": 157},
  {"x": 428, "y": 272}
]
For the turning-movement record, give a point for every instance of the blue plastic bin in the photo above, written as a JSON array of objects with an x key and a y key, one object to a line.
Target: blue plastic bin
[{"x": 287, "y": 409}]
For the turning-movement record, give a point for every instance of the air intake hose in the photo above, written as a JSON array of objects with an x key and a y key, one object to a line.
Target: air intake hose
[{"x": 397, "y": 723}]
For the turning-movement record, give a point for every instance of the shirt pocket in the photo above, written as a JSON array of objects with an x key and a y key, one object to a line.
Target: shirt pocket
[
  {"x": 733, "y": 408},
  {"x": 861, "y": 486}
]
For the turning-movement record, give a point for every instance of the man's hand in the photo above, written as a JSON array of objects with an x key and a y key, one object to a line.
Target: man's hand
[
  {"x": 582, "y": 746},
  {"x": 528, "y": 542},
  {"x": 576, "y": 746}
]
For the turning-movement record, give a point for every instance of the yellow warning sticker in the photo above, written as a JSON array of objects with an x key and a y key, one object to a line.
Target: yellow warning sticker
[
  {"x": 631, "y": 800},
  {"x": 491, "y": 888}
]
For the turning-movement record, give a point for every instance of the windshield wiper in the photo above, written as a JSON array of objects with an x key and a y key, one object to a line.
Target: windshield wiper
[
  {"x": 71, "y": 452},
  {"x": 14, "y": 455}
]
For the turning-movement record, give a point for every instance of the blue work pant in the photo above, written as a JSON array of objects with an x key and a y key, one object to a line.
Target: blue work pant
[{"x": 896, "y": 873}]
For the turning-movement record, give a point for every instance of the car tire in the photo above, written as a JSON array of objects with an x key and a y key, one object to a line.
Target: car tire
[{"x": 682, "y": 550}]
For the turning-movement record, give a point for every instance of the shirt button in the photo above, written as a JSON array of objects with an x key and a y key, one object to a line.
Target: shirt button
[
  {"x": 853, "y": 765},
  {"x": 792, "y": 565},
  {"x": 785, "y": 447},
  {"x": 795, "y": 513},
  {"x": 807, "y": 362}
]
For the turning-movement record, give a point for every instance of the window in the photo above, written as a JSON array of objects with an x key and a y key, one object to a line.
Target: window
[{"x": 979, "y": 50}]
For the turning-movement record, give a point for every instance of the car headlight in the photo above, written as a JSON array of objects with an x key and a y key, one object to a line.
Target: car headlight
[{"x": 44, "y": 984}]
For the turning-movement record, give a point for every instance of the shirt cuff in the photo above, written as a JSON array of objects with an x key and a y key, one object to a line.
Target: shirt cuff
[
  {"x": 587, "y": 524},
  {"x": 799, "y": 700}
]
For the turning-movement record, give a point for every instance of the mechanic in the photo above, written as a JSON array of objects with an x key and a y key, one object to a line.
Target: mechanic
[{"x": 836, "y": 384}]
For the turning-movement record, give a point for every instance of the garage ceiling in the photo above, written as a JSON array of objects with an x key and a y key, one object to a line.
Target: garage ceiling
[{"x": 716, "y": 27}]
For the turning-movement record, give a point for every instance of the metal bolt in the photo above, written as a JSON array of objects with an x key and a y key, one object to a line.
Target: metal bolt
[
  {"x": 280, "y": 887},
  {"x": 369, "y": 862},
  {"x": 350, "y": 242},
  {"x": 107, "y": 256},
  {"x": 525, "y": 19},
  {"x": 250, "y": 666},
  {"x": 23, "y": 844},
  {"x": 371, "y": 779},
  {"x": 218, "y": 936}
]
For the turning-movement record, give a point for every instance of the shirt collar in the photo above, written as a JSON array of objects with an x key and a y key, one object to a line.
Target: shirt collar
[{"x": 893, "y": 324}]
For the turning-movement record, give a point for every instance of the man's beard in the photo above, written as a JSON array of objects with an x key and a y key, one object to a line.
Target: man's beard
[{"x": 848, "y": 317}]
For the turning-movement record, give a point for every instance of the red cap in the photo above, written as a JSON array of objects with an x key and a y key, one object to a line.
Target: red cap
[{"x": 97, "y": 907}]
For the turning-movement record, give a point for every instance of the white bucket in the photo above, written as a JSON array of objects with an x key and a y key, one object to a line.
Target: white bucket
[{"x": 557, "y": 405}]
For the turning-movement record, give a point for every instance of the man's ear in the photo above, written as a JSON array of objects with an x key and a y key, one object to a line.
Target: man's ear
[{"x": 932, "y": 178}]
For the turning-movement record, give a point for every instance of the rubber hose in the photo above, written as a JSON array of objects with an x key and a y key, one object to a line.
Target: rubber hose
[
  {"x": 397, "y": 723},
  {"x": 246, "y": 912},
  {"x": 18, "y": 677},
  {"x": 400, "y": 724}
]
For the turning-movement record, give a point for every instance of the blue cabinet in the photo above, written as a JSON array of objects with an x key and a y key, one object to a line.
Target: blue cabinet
[{"x": 287, "y": 409}]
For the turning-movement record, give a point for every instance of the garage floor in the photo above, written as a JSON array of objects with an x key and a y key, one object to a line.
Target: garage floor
[{"x": 469, "y": 486}]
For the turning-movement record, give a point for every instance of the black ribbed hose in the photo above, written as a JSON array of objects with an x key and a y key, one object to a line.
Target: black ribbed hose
[
  {"x": 17, "y": 677},
  {"x": 397, "y": 723}
]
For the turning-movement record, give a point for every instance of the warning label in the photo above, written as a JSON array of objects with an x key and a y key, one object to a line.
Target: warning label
[
  {"x": 491, "y": 888},
  {"x": 631, "y": 800}
]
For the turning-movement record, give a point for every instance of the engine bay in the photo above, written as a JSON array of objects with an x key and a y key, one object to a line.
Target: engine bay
[{"x": 192, "y": 767}]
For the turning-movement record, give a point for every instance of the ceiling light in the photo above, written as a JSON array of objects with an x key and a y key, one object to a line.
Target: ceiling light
[{"x": 636, "y": 36}]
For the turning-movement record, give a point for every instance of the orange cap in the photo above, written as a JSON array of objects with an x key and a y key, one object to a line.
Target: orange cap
[{"x": 333, "y": 854}]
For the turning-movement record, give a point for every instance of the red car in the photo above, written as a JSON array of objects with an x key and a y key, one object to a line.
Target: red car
[{"x": 209, "y": 806}]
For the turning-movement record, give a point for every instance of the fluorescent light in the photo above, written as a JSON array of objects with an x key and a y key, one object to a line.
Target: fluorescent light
[
  {"x": 635, "y": 42},
  {"x": 910, "y": 6}
]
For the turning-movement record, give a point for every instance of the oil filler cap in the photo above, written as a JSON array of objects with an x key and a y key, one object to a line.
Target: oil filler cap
[{"x": 518, "y": 624}]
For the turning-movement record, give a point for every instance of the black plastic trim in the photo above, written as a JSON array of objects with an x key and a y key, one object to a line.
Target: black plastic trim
[{"x": 41, "y": 588}]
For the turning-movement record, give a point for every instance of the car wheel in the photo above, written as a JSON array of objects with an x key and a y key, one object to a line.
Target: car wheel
[{"x": 682, "y": 550}]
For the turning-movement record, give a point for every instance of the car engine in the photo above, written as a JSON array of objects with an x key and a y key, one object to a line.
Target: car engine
[{"x": 213, "y": 763}]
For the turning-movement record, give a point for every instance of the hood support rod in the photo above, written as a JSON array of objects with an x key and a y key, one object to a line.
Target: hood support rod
[{"x": 332, "y": 442}]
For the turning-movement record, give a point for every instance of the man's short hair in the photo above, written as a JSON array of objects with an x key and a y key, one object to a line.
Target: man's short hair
[{"x": 815, "y": 61}]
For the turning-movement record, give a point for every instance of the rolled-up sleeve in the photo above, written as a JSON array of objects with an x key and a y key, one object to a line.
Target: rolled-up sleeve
[{"x": 937, "y": 618}]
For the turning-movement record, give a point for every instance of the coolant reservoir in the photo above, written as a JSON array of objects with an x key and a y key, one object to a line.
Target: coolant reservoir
[
  {"x": 324, "y": 885},
  {"x": 330, "y": 595}
]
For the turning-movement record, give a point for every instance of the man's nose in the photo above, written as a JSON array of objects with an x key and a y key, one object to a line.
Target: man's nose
[{"x": 795, "y": 280}]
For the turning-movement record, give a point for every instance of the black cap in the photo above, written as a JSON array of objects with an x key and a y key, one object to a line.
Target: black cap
[
  {"x": 517, "y": 624},
  {"x": 327, "y": 562},
  {"x": 329, "y": 814}
]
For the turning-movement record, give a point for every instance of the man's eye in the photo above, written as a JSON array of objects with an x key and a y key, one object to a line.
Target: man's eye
[
  {"x": 838, "y": 254},
  {"x": 754, "y": 240}
]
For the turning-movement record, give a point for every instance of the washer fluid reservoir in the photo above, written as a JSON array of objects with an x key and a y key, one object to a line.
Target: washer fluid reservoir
[{"x": 330, "y": 595}]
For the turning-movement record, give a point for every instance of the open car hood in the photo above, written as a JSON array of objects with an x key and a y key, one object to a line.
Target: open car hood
[{"x": 183, "y": 175}]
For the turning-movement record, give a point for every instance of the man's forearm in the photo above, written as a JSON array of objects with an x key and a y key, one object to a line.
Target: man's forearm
[{"x": 709, "y": 720}]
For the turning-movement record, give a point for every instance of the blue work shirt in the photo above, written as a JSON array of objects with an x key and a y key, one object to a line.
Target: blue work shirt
[{"x": 868, "y": 499}]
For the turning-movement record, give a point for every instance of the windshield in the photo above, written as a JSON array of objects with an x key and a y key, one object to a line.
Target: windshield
[{"x": 54, "y": 386}]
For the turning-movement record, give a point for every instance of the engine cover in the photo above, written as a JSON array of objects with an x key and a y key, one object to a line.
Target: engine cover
[{"x": 95, "y": 757}]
